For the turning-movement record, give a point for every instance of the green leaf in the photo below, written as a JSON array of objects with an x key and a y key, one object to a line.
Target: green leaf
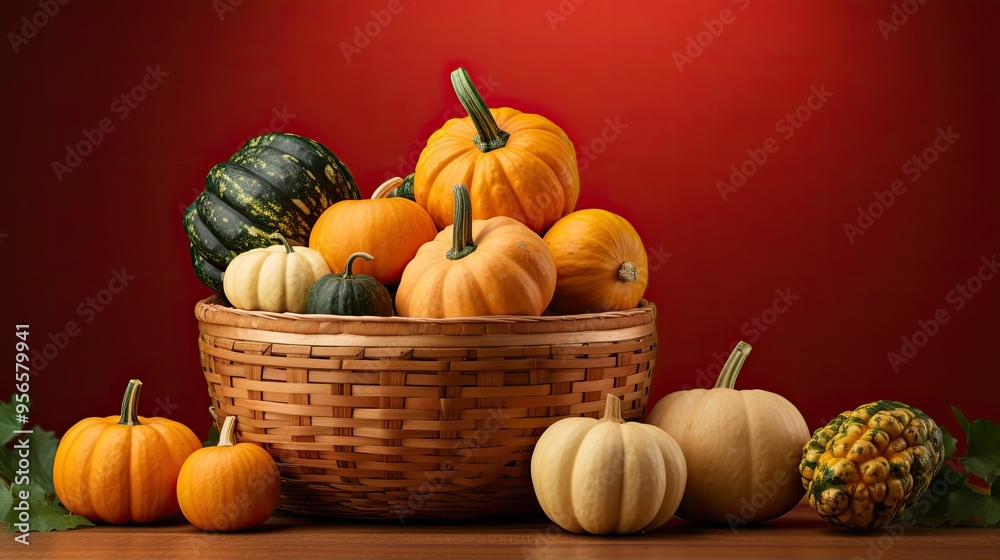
[
  {"x": 961, "y": 418},
  {"x": 213, "y": 437},
  {"x": 969, "y": 507},
  {"x": 949, "y": 442},
  {"x": 8, "y": 421},
  {"x": 934, "y": 508},
  {"x": 42, "y": 446},
  {"x": 983, "y": 455},
  {"x": 44, "y": 516},
  {"x": 5, "y": 499}
]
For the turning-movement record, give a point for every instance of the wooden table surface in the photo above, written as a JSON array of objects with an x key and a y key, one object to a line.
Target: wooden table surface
[{"x": 799, "y": 534}]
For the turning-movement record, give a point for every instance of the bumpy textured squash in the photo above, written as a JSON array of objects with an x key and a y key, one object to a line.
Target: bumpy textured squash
[
  {"x": 391, "y": 228},
  {"x": 607, "y": 476},
  {"x": 404, "y": 189},
  {"x": 742, "y": 448},
  {"x": 600, "y": 262},
  {"x": 276, "y": 182},
  {"x": 868, "y": 464},
  {"x": 122, "y": 469},
  {"x": 228, "y": 487},
  {"x": 515, "y": 164},
  {"x": 478, "y": 267},
  {"x": 347, "y": 293}
]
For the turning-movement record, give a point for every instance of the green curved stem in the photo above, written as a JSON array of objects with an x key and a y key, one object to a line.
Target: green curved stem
[
  {"x": 130, "y": 404},
  {"x": 350, "y": 262},
  {"x": 228, "y": 432},
  {"x": 490, "y": 135},
  {"x": 288, "y": 246},
  {"x": 727, "y": 377},
  {"x": 462, "y": 244}
]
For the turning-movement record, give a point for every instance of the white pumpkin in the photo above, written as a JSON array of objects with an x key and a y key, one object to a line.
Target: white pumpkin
[
  {"x": 607, "y": 476},
  {"x": 275, "y": 278},
  {"x": 742, "y": 448}
]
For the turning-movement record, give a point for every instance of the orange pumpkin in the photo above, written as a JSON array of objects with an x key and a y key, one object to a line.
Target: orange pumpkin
[
  {"x": 228, "y": 487},
  {"x": 391, "y": 228},
  {"x": 600, "y": 261},
  {"x": 515, "y": 164},
  {"x": 478, "y": 267},
  {"x": 122, "y": 469}
]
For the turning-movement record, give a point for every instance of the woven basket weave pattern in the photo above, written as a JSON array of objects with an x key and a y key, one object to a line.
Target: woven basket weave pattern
[{"x": 393, "y": 417}]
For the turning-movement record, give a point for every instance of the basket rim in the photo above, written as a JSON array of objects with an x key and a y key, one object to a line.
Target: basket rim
[{"x": 214, "y": 311}]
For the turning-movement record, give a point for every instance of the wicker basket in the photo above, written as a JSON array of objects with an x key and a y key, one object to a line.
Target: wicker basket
[{"x": 408, "y": 418}]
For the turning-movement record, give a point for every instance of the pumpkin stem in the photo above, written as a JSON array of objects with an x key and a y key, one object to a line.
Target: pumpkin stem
[
  {"x": 727, "y": 377},
  {"x": 628, "y": 272},
  {"x": 130, "y": 404},
  {"x": 613, "y": 410},
  {"x": 386, "y": 188},
  {"x": 288, "y": 246},
  {"x": 490, "y": 135},
  {"x": 228, "y": 432},
  {"x": 350, "y": 262},
  {"x": 462, "y": 244}
]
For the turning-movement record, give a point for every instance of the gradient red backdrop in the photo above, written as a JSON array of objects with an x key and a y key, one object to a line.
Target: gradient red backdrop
[{"x": 664, "y": 96}]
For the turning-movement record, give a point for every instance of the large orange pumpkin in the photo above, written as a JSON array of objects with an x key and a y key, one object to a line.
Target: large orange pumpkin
[
  {"x": 122, "y": 469},
  {"x": 392, "y": 229},
  {"x": 515, "y": 164},
  {"x": 600, "y": 261},
  {"x": 483, "y": 267}
]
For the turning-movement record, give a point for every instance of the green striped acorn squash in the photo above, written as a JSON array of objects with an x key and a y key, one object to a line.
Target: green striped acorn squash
[
  {"x": 867, "y": 465},
  {"x": 275, "y": 182}
]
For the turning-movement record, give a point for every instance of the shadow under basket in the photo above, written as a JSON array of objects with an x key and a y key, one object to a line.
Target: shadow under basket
[{"x": 372, "y": 417}]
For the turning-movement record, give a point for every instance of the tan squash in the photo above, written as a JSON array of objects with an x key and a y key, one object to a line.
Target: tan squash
[
  {"x": 742, "y": 448},
  {"x": 275, "y": 278},
  {"x": 607, "y": 476}
]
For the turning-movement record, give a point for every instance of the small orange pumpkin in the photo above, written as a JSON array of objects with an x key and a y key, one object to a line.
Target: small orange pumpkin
[
  {"x": 391, "y": 228},
  {"x": 122, "y": 469},
  {"x": 228, "y": 487},
  {"x": 483, "y": 267},
  {"x": 515, "y": 164},
  {"x": 600, "y": 261}
]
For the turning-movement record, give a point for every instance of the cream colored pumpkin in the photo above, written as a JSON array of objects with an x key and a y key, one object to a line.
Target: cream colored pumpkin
[
  {"x": 607, "y": 476},
  {"x": 275, "y": 278},
  {"x": 742, "y": 448}
]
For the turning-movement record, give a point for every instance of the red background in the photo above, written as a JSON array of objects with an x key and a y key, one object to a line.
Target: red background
[{"x": 717, "y": 263}]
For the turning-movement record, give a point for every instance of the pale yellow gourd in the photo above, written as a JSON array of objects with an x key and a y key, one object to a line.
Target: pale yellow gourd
[
  {"x": 275, "y": 278},
  {"x": 742, "y": 448},
  {"x": 607, "y": 476}
]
